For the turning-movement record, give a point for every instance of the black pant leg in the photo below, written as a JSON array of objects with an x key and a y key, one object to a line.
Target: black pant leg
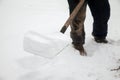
[
  {"x": 72, "y": 4},
  {"x": 100, "y": 10}
]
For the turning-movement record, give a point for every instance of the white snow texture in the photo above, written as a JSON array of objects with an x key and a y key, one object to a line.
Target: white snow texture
[{"x": 46, "y": 18}]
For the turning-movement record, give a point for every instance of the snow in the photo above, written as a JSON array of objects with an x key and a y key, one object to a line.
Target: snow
[{"x": 17, "y": 17}]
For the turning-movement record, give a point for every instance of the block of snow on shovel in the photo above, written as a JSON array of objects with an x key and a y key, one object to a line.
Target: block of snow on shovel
[{"x": 45, "y": 45}]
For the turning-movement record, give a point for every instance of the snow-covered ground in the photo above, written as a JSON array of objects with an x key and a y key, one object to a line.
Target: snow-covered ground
[{"x": 20, "y": 16}]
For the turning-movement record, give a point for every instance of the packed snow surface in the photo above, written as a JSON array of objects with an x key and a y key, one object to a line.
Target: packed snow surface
[{"x": 17, "y": 17}]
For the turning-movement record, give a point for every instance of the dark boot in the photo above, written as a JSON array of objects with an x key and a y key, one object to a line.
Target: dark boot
[
  {"x": 78, "y": 41},
  {"x": 80, "y": 48},
  {"x": 100, "y": 40}
]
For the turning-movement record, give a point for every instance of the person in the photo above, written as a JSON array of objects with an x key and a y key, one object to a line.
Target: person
[{"x": 100, "y": 10}]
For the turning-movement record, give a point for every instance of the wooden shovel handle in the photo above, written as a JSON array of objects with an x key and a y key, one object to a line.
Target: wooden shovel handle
[{"x": 72, "y": 16}]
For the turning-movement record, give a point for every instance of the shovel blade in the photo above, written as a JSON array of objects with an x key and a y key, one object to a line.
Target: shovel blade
[{"x": 47, "y": 46}]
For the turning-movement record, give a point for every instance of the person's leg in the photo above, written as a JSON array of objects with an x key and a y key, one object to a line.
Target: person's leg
[
  {"x": 100, "y": 10},
  {"x": 77, "y": 27}
]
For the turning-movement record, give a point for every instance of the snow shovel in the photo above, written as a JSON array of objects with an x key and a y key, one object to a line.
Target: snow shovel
[{"x": 49, "y": 45}]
